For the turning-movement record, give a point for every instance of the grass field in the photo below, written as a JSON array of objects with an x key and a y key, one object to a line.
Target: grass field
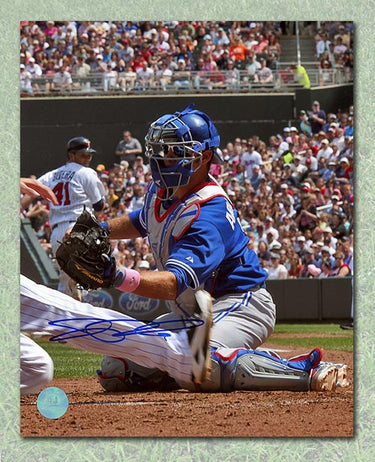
[
  {"x": 72, "y": 363},
  {"x": 325, "y": 336}
]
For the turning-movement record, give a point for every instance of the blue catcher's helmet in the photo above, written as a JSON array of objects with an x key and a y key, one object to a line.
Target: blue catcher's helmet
[{"x": 188, "y": 133}]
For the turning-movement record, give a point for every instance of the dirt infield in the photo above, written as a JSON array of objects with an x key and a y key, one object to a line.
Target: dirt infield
[{"x": 180, "y": 413}]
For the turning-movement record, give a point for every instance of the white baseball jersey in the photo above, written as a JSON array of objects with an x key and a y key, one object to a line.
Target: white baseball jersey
[
  {"x": 249, "y": 160},
  {"x": 74, "y": 186}
]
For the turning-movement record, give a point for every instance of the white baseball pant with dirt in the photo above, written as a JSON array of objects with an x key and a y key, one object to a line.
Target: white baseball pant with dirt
[{"x": 36, "y": 366}]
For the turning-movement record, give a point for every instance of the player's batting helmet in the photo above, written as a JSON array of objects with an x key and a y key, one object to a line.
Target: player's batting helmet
[
  {"x": 79, "y": 144},
  {"x": 188, "y": 133}
]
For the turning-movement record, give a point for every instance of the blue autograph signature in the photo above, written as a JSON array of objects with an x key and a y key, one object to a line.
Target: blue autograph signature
[{"x": 103, "y": 330}]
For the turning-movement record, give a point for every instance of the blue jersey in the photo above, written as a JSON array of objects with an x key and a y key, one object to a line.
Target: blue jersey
[{"x": 201, "y": 241}]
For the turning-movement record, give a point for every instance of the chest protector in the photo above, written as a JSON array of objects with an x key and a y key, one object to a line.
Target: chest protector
[{"x": 165, "y": 227}]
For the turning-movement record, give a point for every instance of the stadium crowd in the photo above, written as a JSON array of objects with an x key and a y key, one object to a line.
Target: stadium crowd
[
  {"x": 293, "y": 193},
  {"x": 131, "y": 56}
]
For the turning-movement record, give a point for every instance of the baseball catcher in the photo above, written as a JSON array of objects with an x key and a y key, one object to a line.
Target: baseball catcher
[{"x": 86, "y": 255}]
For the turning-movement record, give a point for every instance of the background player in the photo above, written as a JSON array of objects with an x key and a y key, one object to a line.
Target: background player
[{"x": 75, "y": 185}]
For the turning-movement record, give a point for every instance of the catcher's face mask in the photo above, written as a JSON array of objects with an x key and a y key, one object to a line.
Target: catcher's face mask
[{"x": 174, "y": 145}]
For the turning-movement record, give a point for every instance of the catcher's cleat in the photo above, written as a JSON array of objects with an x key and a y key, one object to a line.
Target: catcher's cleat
[
  {"x": 199, "y": 337},
  {"x": 324, "y": 377},
  {"x": 342, "y": 380}
]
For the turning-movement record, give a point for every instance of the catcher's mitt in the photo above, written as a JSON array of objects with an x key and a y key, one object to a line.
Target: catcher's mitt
[{"x": 86, "y": 255}]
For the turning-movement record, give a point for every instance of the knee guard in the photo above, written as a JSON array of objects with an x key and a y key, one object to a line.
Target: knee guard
[{"x": 117, "y": 374}]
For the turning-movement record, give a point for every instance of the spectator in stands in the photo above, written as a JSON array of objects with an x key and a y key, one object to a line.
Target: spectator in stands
[
  {"x": 322, "y": 45},
  {"x": 299, "y": 171},
  {"x": 91, "y": 60},
  {"x": 250, "y": 158},
  {"x": 300, "y": 76},
  {"x": 137, "y": 200},
  {"x": 273, "y": 64},
  {"x": 326, "y": 75},
  {"x": 264, "y": 75},
  {"x": 50, "y": 29},
  {"x": 221, "y": 37},
  {"x": 294, "y": 137},
  {"x": 326, "y": 270},
  {"x": 35, "y": 72},
  {"x": 276, "y": 269},
  {"x": 341, "y": 171},
  {"x": 261, "y": 49},
  {"x": 263, "y": 253},
  {"x": 221, "y": 57},
  {"x": 310, "y": 267},
  {"x": 349, "y": 129},
  {"x": 256, "y": 177},
  {"x": 163, "y": 76},
  {"x": 128, "y": 148},
  {"x": 325, "y": 150},
  {"x": 25, "y": 80},
  {"x": 306, "y": 216},
  {"x": 110, "y": 78},
  {"x": 38, "y": 213},
  {"x": 340, "y": 48},
  {"x": 317, "y": 118},
  {"x": 207, "y": 47},
  {"x": 237, "y": 49},
  {"x": 145, "y": 77},
  {"x": 183, "y": 52},
  {"x": 274, "y": 45},
  {"x": 186, "y": 26},
  {"x": 143, "y": 265},
  {"x": 81, "y": 70},
  {"x": 231, "y": 76},
  {"x": 343, "y": 35},
  {"x": 127, "y": 78},
  {"x": 339, "y": 139},
  {"x": 62, "y": 81},
  {"x": 294, "y": 265},
  {"x": 127, "y": 52},
  {"x": 341, "y": 269},
  {"x": 181, "y": 77}
]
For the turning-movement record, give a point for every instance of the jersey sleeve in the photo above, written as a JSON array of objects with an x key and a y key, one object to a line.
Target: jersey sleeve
[
  {"x": 93, "y": 186},
  {"x": 137, "y": 220},
  {"x": 196, "y": 255},
  {"x": 44, "y": 179}
]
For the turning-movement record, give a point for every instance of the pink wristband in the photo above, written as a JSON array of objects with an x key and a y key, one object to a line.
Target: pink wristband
[{"x": 131, "y": 281}]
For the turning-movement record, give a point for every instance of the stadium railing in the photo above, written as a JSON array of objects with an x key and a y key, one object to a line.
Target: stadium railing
[{"x": 198, "y": 82}]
